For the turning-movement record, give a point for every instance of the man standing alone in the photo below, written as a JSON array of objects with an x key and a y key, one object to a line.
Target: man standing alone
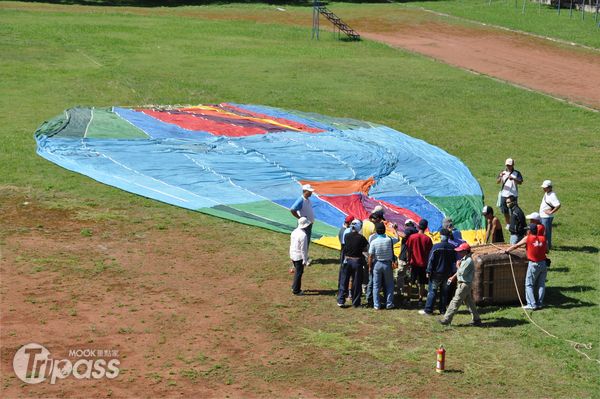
[{"x": 549, "y": 206}]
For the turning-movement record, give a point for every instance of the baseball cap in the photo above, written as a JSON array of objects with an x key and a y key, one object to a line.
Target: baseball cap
[
  {"x": 533, "y": 216},
  {"x": 378, "y": 208},
  {"x": 486, "y": 209},
  {"x": 547, "y": 183},
  {"x": 423, "y": 223},
  {"x": 356, "y": 225},
  {"x": 307, "y": 187},
  {"x": 509, "y": 161},
  {"x": 463, "y": 247},
  {"x": 408, "y": 222},
  {"x": 349, "y": 219}
]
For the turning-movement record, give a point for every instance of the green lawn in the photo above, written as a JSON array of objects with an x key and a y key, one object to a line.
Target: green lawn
[
  {"x": 544, "y": 20},
  {"x": 56, "y": 57}
]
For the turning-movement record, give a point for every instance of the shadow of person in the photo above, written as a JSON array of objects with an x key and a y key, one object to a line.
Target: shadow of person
[
  {"x": 503, "y": 322},
  {"x": 585, "y": 248},
  {"x": 321, "y": 292},
  {"x": 326, "y": 261},
  {"x": 556, "y": 299}
]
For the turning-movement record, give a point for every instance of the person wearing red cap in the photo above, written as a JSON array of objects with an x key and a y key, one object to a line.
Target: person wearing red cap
[{"x": 464, "y": 275}]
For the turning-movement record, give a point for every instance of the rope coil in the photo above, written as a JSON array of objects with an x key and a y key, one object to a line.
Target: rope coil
[{"x": 574, "y": 344}]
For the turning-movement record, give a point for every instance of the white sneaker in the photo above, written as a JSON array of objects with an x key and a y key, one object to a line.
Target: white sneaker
[
  {"x": 527, "y": 307},
  {"x": 309, "y": 262}
]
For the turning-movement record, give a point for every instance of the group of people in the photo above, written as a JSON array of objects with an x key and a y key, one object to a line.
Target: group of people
[
  {"x": 369, "y": 265},
  {"x": 535, "y": 236}
]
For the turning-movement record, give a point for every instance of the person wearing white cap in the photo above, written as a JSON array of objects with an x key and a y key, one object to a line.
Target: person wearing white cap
[
  {"x": 537, "y": 268},
  {"x": 299, "y": 253},
  {"x": 509, "y": 180},
  {"x": 303, "y": 208},
  {"x": 549, "y": 206}
]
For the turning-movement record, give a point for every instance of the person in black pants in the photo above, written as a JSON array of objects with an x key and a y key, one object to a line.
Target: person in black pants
[{"x": 354, "y": 246}]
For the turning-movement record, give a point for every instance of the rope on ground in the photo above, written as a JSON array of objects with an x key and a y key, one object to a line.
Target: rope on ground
[{"x": 575, "y": 345}]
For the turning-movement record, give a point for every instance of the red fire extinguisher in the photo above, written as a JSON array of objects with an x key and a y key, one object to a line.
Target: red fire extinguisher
[{"x": 441, "y": 359}]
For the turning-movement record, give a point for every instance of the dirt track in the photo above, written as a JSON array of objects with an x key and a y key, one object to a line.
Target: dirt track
[
  {"x": 566, "y": 72},
  {"x": 535, "y": 63}
]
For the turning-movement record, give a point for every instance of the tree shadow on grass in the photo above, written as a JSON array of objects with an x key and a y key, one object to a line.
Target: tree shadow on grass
[
  {"x": 179, "y": 3},
  {"x": 559, "y": 269}
]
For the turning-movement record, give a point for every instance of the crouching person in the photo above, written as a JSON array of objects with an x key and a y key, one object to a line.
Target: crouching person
[{"x": 464, "y": 275}]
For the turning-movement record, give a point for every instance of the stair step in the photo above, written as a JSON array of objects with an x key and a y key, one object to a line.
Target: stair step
[{"x": 335, "y": 20}]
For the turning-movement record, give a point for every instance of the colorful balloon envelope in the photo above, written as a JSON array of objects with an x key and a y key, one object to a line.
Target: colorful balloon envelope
[{"x": 247, "y": 163}]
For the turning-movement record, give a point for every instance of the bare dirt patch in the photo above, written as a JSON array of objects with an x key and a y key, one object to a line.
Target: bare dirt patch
[{"x": 188, "y": 316}]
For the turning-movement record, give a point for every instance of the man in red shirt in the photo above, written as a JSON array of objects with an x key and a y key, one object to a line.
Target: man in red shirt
[
  {"x": 418, "y": 247},
  {"x": 536, "y": 246}
]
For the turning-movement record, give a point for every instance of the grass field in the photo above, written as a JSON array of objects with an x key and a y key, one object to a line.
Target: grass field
[
  {"x": 569, "y": 25},
  {"x": 55, "y": 57}
]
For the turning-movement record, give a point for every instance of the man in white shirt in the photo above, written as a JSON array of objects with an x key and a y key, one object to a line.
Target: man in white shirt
[
  {"x": 549, "y": 206},
  {"x": 299, "y": 253},
  {"x": 509, "y": 180}
]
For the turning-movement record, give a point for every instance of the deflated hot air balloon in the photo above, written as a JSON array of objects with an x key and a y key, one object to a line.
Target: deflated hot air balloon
[{"x": 247, "y": 163}]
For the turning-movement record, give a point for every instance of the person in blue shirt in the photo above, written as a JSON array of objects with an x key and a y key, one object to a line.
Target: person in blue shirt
[
  {"x": 439, "y": 267},
  {"x": 303, "y": 208}
]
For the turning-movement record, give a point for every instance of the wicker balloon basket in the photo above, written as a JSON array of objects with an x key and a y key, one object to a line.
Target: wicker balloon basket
[{"x": 493, "y": 280}]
